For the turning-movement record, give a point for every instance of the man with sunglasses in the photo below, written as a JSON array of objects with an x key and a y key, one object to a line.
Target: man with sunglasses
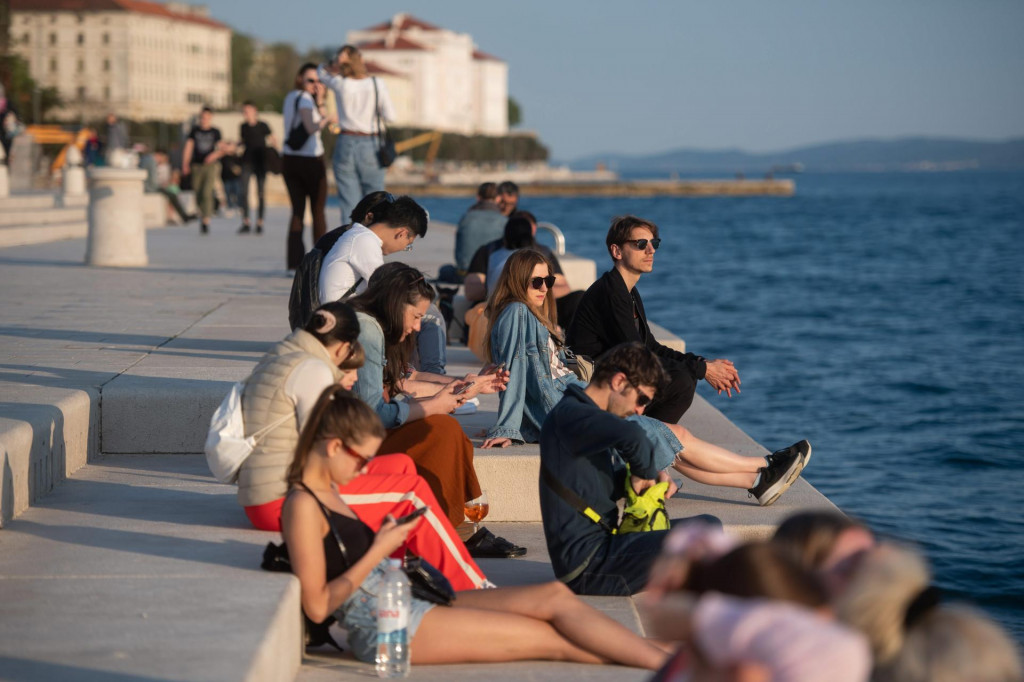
[
  {"x": 611, "y": 312},
  {"x": 584, "y": 443}
]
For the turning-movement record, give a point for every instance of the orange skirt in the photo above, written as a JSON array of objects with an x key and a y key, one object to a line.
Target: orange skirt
[{"x": 444, "y": 458}]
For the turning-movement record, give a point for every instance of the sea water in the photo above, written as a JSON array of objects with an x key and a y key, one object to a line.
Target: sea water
[{"x": 880, "y": 316}]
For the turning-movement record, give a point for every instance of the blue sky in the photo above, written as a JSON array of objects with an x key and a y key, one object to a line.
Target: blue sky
[{"x": 645, "y": 76}]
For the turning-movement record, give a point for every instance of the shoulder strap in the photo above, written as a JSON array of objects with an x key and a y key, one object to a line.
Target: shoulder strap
[
  {"x": 574, "y": 500},
  {"x": 376, "y": 108},
  {"x": 351, "y": 289},
  {"x": 295, "y": 114},
  {"x": 330, "y": 524}
]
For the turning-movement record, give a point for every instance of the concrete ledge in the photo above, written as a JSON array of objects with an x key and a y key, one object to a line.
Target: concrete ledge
[
  {"x": 141, "y": 568},
  {"x": 46, "y": 434},
  {"x": 39, "y": 234},
  {"x": 22, "y": 217}
]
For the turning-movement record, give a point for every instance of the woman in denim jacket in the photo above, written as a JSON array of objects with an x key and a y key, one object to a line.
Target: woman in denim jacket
[{"x": 523, "y": 334}]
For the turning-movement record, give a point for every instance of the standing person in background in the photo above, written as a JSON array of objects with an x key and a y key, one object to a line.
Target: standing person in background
[
  {"x": 230, "y": 176},
  {"x": 508, "y": 197},
  {"x": 253, "y": 134},
  {"x": 203, "y": 149},
  {"x": 360, "y": 99},
  {"x": 117, "y": 136},
  {"x": 303, "y": 168},
  {"x": 8, "y": 124}
]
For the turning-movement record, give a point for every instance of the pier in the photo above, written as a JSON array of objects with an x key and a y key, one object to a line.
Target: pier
[{"x": 120, "y": 556}]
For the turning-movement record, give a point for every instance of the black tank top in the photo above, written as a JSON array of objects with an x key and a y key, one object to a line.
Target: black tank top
[{"x": 347, "y": 539}]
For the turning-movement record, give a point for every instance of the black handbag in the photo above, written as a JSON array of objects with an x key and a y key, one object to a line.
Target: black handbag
[
  {"x": 386, "y": 153},
  {"x": 272, "y": 161},
  {"x": 298, "y": 135}
]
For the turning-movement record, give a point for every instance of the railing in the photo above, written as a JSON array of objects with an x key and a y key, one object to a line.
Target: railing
[{"x": 557, "y": 234}]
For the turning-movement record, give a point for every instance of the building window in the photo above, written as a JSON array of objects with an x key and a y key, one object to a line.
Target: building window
[
  {"x": 81, "y": 39},
  {"x": 106, "y": 65},
  {"x": 53, "y": 64},
  {"x": 106, "y": 38},
  {"x": 81, "y": 66},
  {"x": 81, "y": 93},
  {"x": 53, "y": 38},
  {"x": 80, "y": 18},
  {"x": 106, "y": 93}
]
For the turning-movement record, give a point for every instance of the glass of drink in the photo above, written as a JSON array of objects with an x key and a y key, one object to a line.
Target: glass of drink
[{"x": 476, "y": 509}]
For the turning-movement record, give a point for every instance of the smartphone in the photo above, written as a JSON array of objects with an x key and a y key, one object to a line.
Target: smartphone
[
  {"x": 493, "y": 369},
  {"x": 411, "y": 516},
  {"x": 462, "y": 389}
]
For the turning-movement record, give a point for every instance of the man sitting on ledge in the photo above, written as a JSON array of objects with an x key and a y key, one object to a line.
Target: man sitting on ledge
[
  {"x": 612, "y": 312},
  {"x": 583, "y": 444}
]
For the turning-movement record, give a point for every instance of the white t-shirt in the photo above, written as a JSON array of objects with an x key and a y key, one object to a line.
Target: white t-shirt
[
  {"x": 356, "y": 255},
  {"x": 314, "y": 145},
  {"x": 354, "y": 99},
  {"x": 305, "y": 384}
]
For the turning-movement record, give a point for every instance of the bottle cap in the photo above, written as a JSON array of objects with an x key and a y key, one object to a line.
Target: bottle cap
[{"x": 395, "y": 563}]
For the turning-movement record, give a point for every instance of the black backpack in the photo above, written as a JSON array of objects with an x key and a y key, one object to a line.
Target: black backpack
[{"x": 305, "y": 296}]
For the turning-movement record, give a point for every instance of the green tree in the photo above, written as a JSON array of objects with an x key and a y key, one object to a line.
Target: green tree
[
  {"x": 515, "y": 114},
  {"x": 241, "y": 63},
  {"x": 32, "y": 102}
]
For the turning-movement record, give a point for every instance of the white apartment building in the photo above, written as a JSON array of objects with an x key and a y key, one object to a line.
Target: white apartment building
[
  {"x": 141, "y": 60},
  {"x": 438, "y": 79}
]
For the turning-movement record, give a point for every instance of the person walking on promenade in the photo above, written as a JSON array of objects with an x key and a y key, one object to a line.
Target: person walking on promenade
[
  {"x": 506, "y": 624},
  {"x": 611, "y": 312},
  {"x": 253, "y": 134},
  {"x": 117, "y": 136},
  {"x": 362, "y": 102},
  {"x": 201, "y": 160},
  {"x": 278, "y": 398},
  {"x": 303, "y": 165}
]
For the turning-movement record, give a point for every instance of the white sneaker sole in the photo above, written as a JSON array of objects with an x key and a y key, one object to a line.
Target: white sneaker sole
[{"x": 782, "y": 485}]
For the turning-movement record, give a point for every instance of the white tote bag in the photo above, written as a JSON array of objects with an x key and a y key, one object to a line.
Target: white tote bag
[{"x": 226, "y": 444}]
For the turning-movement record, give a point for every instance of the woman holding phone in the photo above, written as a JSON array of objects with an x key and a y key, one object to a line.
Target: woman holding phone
[{"x": 544, "y": 622}]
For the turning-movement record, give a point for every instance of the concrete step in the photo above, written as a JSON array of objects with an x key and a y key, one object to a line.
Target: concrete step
[
  {"x": 143, "y": 568},
  {"x": 41, "y": 200},
  {"x": 42, "y": 216},
  {"x": 23, "y": 235}
]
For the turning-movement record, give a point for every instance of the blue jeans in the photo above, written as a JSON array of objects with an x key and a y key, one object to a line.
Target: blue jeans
[
  {"x": 431, "y": 342},
  {"x": 356, "y": 171},
  {"x": 621, "y": 566}
]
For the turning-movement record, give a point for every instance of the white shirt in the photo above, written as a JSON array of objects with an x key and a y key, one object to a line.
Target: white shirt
[
  {"x": 314, "y": 145},
  {"x": 305, "y": 384},
  {"x": 356, "y": 255},
  {"x": 354, "y": 99}
]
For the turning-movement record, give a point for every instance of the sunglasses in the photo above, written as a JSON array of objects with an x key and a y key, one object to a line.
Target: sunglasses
[
  {"x": 312, "y": 80},
  {"x": 642, "y": 399},
  {"x": 363, "y": 461},
  {"x": 641, "y": 244},
  {"x": 548, "y": 281}
]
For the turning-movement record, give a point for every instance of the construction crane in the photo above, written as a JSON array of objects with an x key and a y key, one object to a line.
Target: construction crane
[
  {"x": 49, "y": 134},
  {"x": 433, "y": 139}
]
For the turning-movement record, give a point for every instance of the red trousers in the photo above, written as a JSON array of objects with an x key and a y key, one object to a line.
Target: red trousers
[{"x": 392, "y": 486}]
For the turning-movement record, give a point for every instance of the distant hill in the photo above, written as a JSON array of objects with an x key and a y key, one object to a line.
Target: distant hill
[{"x": 903, "y": 154}]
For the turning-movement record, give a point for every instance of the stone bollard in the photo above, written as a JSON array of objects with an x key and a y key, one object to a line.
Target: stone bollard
[
  {"x": 74, "y": 174},
  {"x": 117, "y": 230}
]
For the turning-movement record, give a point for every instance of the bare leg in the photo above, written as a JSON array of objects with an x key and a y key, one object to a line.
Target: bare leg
[
  {"x": 534, "y": 622},
  {"x": 703, "y": 455},
  {"x": 735, "y": 480}
]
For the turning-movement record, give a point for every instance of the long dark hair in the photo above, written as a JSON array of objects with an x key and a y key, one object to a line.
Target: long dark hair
[
  {"x": 337, "y": 414},
  {"x": 392, "y": 287}
]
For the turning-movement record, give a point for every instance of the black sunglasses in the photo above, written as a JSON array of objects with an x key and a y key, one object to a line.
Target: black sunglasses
[
  {"x": 642, "y": 399},
  {"x": 641, "y": 244},
  {"x": 312, "y": 80},
  {"x": 537, "y": 281}
]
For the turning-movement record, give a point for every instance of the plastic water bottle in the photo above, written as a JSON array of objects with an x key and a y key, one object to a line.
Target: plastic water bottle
[{"x": 393, "y": 602}]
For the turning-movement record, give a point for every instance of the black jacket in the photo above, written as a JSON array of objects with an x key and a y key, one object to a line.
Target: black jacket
[
  {"x": 578, "y": 445},
  {"x": 605, "y": 318}
]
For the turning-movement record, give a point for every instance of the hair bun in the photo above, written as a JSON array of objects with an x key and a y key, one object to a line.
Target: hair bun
[{"x": 329, "y": 321}]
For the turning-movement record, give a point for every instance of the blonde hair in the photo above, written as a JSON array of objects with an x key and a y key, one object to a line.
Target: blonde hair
[
  {"x": 876, "y": 599},
  {"x": 337, "y": 414},
  {"x": 513, "y": 287},
  {"x": 952, "y": 644}
]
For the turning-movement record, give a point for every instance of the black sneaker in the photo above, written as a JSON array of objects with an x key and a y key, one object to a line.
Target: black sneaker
[
  {"x": 784, "y": 466},
  {"x": 204, "y": 228},
  {"x": 486, "y": 545},
  {"x": 259, "y": 229},
  {"x": 244, "y": 229}
]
